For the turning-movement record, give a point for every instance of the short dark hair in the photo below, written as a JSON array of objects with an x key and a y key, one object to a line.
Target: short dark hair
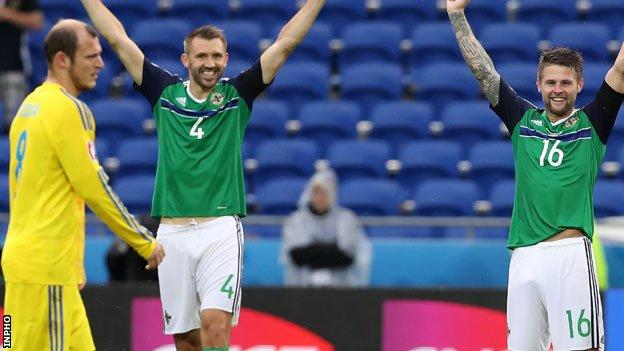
[
  {"x": 561, "y": 56},
  {"x": 63, "y": 38},
  {"x": 207, "y": 32}
]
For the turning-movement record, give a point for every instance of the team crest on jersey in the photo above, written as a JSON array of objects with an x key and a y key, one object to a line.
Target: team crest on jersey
[
  {"x": 571, "y": 121},
  {"x": 181, "y": 100},
  {"x": 537, "y": 122},
  {"x": 217, "y": 99},
  {"x": 92, "y": 151}
]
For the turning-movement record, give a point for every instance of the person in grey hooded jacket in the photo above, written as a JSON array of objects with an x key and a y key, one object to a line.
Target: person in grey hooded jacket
[{"x": 324, "y": 244}]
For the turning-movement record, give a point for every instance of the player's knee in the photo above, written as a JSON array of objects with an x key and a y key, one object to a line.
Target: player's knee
[
  {"x": 187, "y": 341},
  {"x": 216, "y": 329}
]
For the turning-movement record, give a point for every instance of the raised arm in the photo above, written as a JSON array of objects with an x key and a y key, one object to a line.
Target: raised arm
[
  {"x": 113, "y": 31},
  {"x": 22, "y": 19},
  {"x": 289, "y": 37},
  {"x": 615, "y": 76},
  {"x": 475, "y": 56}
]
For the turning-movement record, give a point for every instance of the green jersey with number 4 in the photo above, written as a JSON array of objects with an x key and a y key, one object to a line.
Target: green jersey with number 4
[
  {"x": 199, "y": 172},
  {"x": 556, "y": 164}
]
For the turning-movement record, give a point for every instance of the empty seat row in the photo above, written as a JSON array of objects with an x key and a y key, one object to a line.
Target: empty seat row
[{"x": 341, "y": 12}]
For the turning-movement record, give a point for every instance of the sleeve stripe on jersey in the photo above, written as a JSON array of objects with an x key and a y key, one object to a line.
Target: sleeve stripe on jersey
[
  {"x": 87, "y": 113},
  {"x": 130, "y": 220},
  {"x": 80, "y": 109},
  {"x": 90, "y": 118}
]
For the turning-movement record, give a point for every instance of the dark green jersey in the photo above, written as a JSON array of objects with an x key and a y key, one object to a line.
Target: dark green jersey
[
  {"x": 556, "y": 164},
  {"x": 199, "y": 171}
]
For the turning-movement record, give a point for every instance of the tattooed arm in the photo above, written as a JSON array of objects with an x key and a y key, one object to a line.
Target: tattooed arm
[{"x": 475, "y": 56}]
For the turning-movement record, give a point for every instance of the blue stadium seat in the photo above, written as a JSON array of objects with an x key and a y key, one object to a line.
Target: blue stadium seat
[
  {"x": 433, "y": 42},
  {"x": 37, "y": 56},
  {"x": 609, "y": 12},
  {"x": 314, "y": 47},
  {"x": 102, "y": 149},
  {"x": 101, "y": 90},
  {"x": 371, "y": 42},
  {"x": 265, "y": 12},
  {"x": 384, "y": 232},
  {"x": 445, "y": 197},
  {"x": 199, "y": 12},
  {"x": 483, "y": 12},
  {"x": 135, "y": 192},
  {"x": 589, "y": 38},
  {"x": 616, "y": 139},
  {"x": 235, "y": 67},
  {"x": 300, "y": 82},
  {"x": 161, "y": 38},
  {"x": 359, "y": 159},
  {"x": 138, "y": 156},
  {"x": 285, "y": 158},
  {"x": 593, "y": 74},
  {"x": 117, "y": 119},
  {"x": 131, "y": 11},
  {"x": 4, "y": 193},
  {"x": 339, "y": 13},
  {"x": 406, "y": 12},
  {"x": 327, "y": 122},
  {"x": 267, "y": 121},
  {"x": 469, "y": 122},
  {"x": 511, "y": 41},
  {"x": 546, "y": 13},
  {"x": 57, "y": 9},
  {"x": 608, "y": 197},
  {"x": 502, "y": 198},
  {"x": 371, "y": 197},
  {"x": 428, "y": 159},
  {"x": 280, "y": 196},
  {"x": 401, "y": 121},
  {"x": 371, "y": 83},
  {"x": 243, "y": 38},
  {"x": 491, "y": 161},
  {"x": 445, "y": 82},
  {"x": 5, "y": 154},
  {"x": 521, "y": 77}
]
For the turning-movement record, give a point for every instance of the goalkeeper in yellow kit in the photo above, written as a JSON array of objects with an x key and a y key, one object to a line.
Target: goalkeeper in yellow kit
[{"x": 53, "y": 172}]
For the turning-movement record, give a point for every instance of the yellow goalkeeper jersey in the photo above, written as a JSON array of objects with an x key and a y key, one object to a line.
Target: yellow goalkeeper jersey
[{"x": 53, "y": 171}]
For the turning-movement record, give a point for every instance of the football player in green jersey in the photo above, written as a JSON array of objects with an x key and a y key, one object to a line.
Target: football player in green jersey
[
  {"x": 552, "y": 292},
  {"x": 199, "y": 193}
]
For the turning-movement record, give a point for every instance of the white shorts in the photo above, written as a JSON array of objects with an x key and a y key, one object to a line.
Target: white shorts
[
  {"x": 202, "y": 270},
  {"x": 553, "y": 296}
]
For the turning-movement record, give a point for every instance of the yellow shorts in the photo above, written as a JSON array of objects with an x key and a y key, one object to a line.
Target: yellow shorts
[{"x": 47, "y": 317}]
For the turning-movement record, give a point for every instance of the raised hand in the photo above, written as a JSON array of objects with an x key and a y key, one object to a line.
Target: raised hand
[{"x": 456, "y": 5}]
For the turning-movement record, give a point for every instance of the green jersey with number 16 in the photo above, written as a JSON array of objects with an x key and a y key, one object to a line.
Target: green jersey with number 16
[
  {"x": 199, "y": 171},
  {"x": 556, "y": 164}
]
